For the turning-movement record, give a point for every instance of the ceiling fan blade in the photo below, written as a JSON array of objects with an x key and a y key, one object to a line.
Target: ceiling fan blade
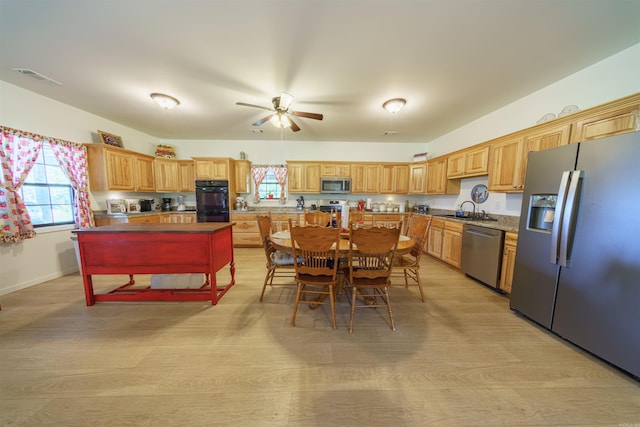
[
  {"x": 314, "y": 116},
  {"x": 285, "y": 101},
  {"x": 294, "y": 126},
  {"x": 263, "y": 120},
  {"x": 244, "y": 104}
]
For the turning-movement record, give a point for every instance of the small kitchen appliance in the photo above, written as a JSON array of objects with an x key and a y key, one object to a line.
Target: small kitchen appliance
[
  {"x": 166, "y": 204},
  {"x": 300, "y": 201},
  {"x": 146, "y": 205},
  {"x": 181, "y": 203},
  {"x": 116, "y": 206}
]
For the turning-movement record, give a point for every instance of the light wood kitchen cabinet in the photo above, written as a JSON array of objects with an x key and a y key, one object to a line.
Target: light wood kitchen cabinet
[
  {"x": 365, "y": 178},
  {"x": 152, "y": 218},
  {"x": 186, "y": 176},
  {"x": 418, "y": 178},
  {"x": 166, "y": 175},
  {"x": 180, "y": 218},
  {"x": 543, "y": 138},
  {"x": 467, "y": 163},
  {"x": 245, "y": 231},
  {"x": 213, "y": 167},
  {"x": 618, "y": 118},
  {"x": 508, "y": 261},
  {"x": 437, "y": 182},
  {"x": 394, "y": 179},
  {"x": 280, "y": 221},
  {"x": 341, "y": 170},
  {"x": 505, "y": 165},
  {"x": 303, "y": 177},
  {"x": 388, "y": 220},
  {"x": 243, "y": 176},
  {"x": 452, "y": 243},
  {"x": 114, "y": 168},
  {"x": 434, "y": 238}
]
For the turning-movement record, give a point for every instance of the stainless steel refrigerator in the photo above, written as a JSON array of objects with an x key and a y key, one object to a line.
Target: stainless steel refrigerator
[{"x": 577, "y": 268}]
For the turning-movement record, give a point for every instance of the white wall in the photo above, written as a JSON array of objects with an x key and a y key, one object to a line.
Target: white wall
[{"x": 51, "y": 255}]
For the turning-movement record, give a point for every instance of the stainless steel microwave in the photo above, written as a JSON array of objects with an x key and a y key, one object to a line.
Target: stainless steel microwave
[{"x": 335, "y": 185}]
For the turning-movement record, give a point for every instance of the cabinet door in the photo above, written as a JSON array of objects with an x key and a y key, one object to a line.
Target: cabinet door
[
  {"x": 615, "y": 122},
  {"x": 505, "y": 166},
  {"x": 386, "y": 179},
  {"x": 434, "y": 241},
  {"x": 401, "y": 179},
  {"x": 436, "y": 176},
  {"x": 452, "y": 243},
  {"x": 119, "y": 170},
  {"x": 455, "y": 165},
  {"x": 145, "y": 179},
  {"x": 295, "y": 177},
  {"x": 312, "y": 177},
  {"x": 186, "y": 176},
  {"x": 166, "y": 174},
  {"x": 243, "y": 175},
  {"x": 476, "y": 162},
  {"x": 417, "y": 178},
  {"x": 372, "y": 178},
  {"x": 508, "y": 261},
  {"x": 358, "y": 184},
  {"x": 204, "y": 169},
  {"x": 543, "y": 139}
]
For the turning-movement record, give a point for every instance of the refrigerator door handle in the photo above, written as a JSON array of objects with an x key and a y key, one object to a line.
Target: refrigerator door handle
[
  {"x": 557, "y": 219},
  {"x": 568, "y": 218}
]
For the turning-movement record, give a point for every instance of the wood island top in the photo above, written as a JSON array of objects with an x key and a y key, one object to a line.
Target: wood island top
[{"x": 198, "y": 227}]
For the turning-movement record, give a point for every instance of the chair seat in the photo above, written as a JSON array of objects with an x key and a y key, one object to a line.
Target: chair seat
[
  {"x": 282, "y": 258},
  {"x": 312, "y": 280}
]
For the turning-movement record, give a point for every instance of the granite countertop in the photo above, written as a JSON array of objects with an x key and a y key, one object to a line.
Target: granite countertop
[{"x": 104, "y": 214}]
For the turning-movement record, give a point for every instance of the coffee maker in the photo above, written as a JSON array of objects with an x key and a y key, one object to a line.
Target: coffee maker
[
  {"x": 300, "y": 201},
  {"x": 166, "y": 204}
]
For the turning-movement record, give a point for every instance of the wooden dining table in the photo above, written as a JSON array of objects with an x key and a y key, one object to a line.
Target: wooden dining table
[{"x": 282, "y": 241}]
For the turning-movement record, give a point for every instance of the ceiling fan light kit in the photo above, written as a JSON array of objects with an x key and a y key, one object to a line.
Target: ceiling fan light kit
[
  {"x": 165, "y": 101},
  {"x": 281, "y": 116},
  {"x": 394, "y": 105}
]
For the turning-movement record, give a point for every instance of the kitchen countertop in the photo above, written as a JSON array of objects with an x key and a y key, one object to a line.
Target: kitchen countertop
[
  {"x": 104, "y": 214},
  {"x": 503, "y": 222}
]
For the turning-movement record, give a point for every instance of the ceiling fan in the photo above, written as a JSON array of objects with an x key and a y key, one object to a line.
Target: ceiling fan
[{"x": 281, "y": 116}]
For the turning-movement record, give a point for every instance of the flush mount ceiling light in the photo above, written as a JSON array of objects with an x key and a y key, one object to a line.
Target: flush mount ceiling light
[
  {"x": 165, "y": 101},
  {"x": 394, "y": 105}
]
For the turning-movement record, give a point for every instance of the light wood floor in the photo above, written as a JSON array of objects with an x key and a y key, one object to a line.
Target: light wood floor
[{"x": 460, "y": 359}]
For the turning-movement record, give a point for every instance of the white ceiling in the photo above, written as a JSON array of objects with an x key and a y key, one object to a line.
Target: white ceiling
[{"x": 453, "y": 60}]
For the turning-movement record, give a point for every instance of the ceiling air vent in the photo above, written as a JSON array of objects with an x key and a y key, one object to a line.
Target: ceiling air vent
[
  {"x": 35, "y": 75},
  {"x": 390, "y": 132}
]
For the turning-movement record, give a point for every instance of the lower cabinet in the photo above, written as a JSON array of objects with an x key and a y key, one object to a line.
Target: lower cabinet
[
  {"x": 508, "y": 261},
  {"x": 445, "y": 241},
  {"x": 179, "y": 218},
  {"x": 245, "y": 231}
]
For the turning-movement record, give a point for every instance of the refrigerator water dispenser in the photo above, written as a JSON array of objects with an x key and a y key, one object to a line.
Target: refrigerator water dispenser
[{"x": 541, "y": 212}]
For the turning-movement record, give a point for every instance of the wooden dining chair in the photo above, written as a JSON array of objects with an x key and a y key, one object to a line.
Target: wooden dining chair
[
  {"x": 407, "y": 265},
  {"x": 370, "y": 263},
  {"x": 316, "y": 250},
  {"x": 279, "y": 264},
  {"x": 318, "y": 218}
]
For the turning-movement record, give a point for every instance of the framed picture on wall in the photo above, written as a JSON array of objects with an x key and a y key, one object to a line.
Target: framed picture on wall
[{"x": 110, "y": 139}]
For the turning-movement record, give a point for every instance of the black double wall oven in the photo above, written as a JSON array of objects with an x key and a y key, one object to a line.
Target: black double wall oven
[{"x": 212, "y": 200}]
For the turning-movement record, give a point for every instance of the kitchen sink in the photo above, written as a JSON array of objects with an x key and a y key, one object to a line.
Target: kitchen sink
[{"x": 466, "y": 217}]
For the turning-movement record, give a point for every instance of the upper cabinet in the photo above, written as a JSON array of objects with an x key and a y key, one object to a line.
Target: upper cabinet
[
  {"x": 243, "y": 175},
  {"x": 417, "y": 178},
  {"x": 365, "y": 178},
  {"x": 186, "y": 176},
  {"x": 341, "y": 170},
  {"x": 213, "y": 167},
  {"x": 469, "y": 162},
  {"x": 166, "y": 171},
  {"x": 303, "y": 177},
  {"x": 118, "y": 169},
  {"x": 505, "y": 165},
  {"x": 611, "y": 121},
  {"x": 437, "y": 182},
  {"x": 394, "y": 179}
]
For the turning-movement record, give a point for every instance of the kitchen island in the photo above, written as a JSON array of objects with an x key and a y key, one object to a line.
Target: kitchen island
[{"x": 152, "y": 248}]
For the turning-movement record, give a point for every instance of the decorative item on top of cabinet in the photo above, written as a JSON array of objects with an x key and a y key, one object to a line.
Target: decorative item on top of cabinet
[{"x": 508, "y": 261}]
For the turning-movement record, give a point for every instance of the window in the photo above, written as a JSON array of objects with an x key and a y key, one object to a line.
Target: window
[
  {"x": 270, "y": 186},
  {"x": 47, "y": 192}
]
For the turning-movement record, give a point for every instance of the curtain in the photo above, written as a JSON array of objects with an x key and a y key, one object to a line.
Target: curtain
[
  {"x": 18, "y": 153},
  {"x": 281, "y": 175},
  {"x": 73, "y": 159},
  {"x": 258, "y": 173}
]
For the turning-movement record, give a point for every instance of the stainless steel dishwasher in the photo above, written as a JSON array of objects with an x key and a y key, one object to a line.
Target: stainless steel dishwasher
[{"x": 482, "y": 253}]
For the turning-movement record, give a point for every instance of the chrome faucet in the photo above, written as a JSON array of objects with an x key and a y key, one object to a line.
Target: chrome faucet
[{"x": 473, "y": 215}]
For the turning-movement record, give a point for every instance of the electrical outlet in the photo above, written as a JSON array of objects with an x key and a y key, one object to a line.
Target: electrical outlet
[{"x": 497, "y": 205}]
